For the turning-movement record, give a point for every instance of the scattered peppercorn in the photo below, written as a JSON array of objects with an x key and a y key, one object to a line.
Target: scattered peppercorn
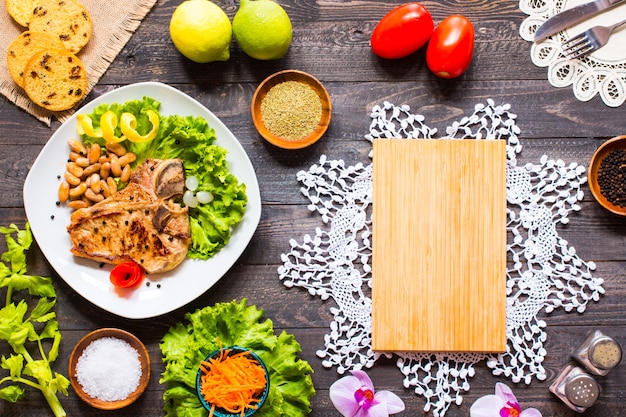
[
  {"x": 291, "y": 110},
  {"x": 612, "y": 177}
]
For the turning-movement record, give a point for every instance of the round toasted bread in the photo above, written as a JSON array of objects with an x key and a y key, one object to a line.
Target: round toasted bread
[
  {"x": 24, "y": 47},
  {"x": 55, "y": 79},
  {"x": 68, "y": 20},
  {"x": 20, "y": 10}
]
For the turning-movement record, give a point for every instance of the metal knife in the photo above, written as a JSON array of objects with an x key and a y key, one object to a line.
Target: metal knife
[{"x": 572, "y": 16}]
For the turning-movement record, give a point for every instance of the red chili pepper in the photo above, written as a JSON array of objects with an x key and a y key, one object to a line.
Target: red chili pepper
[{"x": 127, "y": 275}]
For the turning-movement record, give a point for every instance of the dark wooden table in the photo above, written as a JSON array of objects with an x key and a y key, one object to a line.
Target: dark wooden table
[{"x": 331, "y": 41}]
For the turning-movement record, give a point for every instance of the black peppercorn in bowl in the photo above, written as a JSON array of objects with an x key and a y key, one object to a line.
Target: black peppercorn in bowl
[
  {"x": 607, "y": 175},
  {"x": 291, "y": 109}
]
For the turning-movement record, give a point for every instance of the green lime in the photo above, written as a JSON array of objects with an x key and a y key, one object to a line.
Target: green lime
[
  {"x": 262, "y": 29},
  {"x": 201, "y": 31}
]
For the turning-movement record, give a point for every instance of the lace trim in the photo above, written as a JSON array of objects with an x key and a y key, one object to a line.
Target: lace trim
[
  {"x": 590, "y": 76},
  {"x": 334, "y": 261}
]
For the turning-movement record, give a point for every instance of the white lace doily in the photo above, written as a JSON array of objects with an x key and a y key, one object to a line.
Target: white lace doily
[
  {"x": 333, "y": 262},
  {"x": 603, "y": 72}
]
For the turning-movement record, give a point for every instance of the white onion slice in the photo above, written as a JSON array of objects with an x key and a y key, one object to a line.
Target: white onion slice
[
  {"x": 204, "y": 197},
  {"x": 191, "y": 183},
  {"x": 189, "y": 199}
]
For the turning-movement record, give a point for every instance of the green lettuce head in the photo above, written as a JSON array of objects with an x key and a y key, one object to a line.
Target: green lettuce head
[{"x": 227, "y": 324}]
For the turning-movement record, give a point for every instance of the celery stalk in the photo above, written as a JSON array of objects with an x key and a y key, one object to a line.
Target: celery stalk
[{"x": 23, "y": 325}]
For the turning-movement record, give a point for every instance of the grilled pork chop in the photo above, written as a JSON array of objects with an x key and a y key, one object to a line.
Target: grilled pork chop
[{"x": 140, "y": 223}]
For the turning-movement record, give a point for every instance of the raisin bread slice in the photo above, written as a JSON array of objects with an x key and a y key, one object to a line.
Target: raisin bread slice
[
  {"x": 24, "y": 47},
  {"x": 55, "y": 79},
  {"x": 68, "y": 20},
  {"x": 20, "y": 10}
]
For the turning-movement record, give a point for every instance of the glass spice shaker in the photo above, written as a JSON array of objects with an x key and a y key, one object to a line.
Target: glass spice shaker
[
  {"x": 599, "y": 353},
  {"x": 576, "y": 388}
]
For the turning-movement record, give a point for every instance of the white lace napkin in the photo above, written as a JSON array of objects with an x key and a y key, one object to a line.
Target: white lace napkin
[
  {"x": 333, "y": 261},
  {"x": 602, "y": 73}
]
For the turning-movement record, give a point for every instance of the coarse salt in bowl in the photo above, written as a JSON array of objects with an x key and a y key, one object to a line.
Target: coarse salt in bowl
[
  {"x": 109, "y": 368},
  {"x": 223, "y": 353},
  {"x": 291, "y": 109}
]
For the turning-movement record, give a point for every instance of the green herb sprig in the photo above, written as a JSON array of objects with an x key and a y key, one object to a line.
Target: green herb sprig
[{"x": 26, "y": 327}]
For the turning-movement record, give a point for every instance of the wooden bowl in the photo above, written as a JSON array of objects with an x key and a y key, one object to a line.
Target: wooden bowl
[
  {"x": 618, "y": 142},
  {"x": 291, "y": 75},
  {"x": 218, "y": 412},
  {"x": 144, "y": 359}
]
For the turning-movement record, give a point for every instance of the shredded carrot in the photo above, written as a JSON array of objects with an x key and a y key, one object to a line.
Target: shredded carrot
[{"x": 232, "y": 381}]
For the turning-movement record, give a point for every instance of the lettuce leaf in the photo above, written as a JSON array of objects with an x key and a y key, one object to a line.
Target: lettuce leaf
[
  {"x": 191, "y": 139},
  {"x": 186, "y": 344}
]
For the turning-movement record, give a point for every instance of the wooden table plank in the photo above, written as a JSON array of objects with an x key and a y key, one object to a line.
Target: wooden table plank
[{"x": 331, "y": 41}]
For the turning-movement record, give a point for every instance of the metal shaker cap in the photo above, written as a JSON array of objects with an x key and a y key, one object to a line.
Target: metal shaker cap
[
  {"x": 582, "y": 390},
  {"x": 605, "y": 353}
]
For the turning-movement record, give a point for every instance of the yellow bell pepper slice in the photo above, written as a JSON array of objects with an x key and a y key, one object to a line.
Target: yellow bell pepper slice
[
  {"x": 108, "y": 123},
  {"x": 128, "y": 125},
  {"x": 85, "y": 126}
]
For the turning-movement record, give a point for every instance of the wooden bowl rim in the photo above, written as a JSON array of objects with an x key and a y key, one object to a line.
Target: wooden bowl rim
[
  {"x": 144, "y": 359},
  {"x": 617, "y": 142},
  {"x": 291, "y": 75}
]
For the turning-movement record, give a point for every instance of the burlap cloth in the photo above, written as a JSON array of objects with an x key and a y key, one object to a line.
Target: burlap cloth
[{"x": 114, "y": 22}]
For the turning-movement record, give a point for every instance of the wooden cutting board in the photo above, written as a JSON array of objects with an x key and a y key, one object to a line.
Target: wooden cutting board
[{"x": 439, "y": 245}]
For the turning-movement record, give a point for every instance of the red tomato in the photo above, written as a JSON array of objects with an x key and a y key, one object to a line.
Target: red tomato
[
  {"x": 451, "y": 47},
  {"x": 127, "y": 275},
  {"x": 402, "y": 31}
]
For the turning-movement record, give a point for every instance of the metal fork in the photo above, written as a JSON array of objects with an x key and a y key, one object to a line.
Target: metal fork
[{"x": 589, "y": 41}]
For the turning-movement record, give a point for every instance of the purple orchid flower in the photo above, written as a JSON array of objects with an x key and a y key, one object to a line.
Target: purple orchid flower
[
  {"x": 354, "y": 396},
  {"x": 502, "y": 404}
]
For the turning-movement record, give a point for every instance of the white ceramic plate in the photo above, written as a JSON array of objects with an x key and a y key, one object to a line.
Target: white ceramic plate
[{"x": 167, "y": 291}]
